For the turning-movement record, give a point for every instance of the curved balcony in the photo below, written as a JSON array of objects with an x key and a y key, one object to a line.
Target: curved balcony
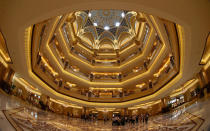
[{"x": 72, "y": 68}]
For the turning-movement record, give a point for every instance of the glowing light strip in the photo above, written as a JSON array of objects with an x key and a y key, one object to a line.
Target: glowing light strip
[
  {"x": 70, "y": 84},
  {"x": 106, "y": 54},
  {"x": 65, "y": 104},
  {"x": 27, "y": 86},
  {"x": 140, "y": 85},
  {"x": 2, "y": 53},
  {"x": 163, "y": 67},
  {"x": 70, "y": 74},
  {"x": 205, "y": 59},
  {"x": 99, "y": 83},
  {"x": 93, "y": 88},
  {"x": 4, "y": 56},
  {"x": 97, "y": 60},
  {"x": 49, "y": 67},
  {"x": 83, "y": 47},
  {"x": 158, "y": 30},
  {"x": 145, "y": 105},
  {"x": 181, "y": 44},
  {"x": 141, "y": 31},
  {"x": 131, "y": 46},
  {"x": 104, "y": 73},
  {"x": 105, "y": 109},
  {"x": 207, "y": 65},
  {"x": 185, "y": 88},
  {"x": 93, "y": 67},
  {"x": 3, "y": 62},
  {"x": 151, "y": 67}
]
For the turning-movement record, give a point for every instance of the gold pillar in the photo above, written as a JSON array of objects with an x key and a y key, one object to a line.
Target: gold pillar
[
  {"x": 187, "y": 96},
  {"x": 165, "y": 101},
  {"x": 70, "y": 21}
]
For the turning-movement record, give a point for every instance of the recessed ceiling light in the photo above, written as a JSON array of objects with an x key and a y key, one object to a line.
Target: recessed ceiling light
[
  {"x": 122, "y": 14},
  {"x": 117, "y": 24},
  {"x": 106, "y": 28},
  {"x": 89, "y": 14},
  {"x": 95, "y": 24}
]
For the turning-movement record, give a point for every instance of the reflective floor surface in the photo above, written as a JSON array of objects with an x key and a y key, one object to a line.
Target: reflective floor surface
[{"x": 15, "y": 115}]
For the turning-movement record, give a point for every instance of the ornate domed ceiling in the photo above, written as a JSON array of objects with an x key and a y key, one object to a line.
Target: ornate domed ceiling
[
  {"x": 106, "y": 29},
  {"x": 105, "y": 55}
]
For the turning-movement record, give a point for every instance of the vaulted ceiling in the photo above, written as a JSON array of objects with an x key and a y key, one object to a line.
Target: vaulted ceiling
[
  {"x": 71, "y": 47},
  {"x": 80, "y": 63}
]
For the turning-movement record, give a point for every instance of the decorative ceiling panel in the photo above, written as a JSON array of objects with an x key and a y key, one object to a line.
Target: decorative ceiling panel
[{"x": 107, "y": 24}]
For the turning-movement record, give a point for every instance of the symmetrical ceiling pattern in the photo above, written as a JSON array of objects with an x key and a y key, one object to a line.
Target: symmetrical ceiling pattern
[
  {"x": 105, "y": 55},
  {"x": 106, "y": 27}
]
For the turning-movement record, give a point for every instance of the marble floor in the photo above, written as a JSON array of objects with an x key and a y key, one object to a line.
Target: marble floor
[{"x": 15, "y": 115}]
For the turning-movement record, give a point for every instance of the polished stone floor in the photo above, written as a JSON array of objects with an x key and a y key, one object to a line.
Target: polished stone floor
[{"x": 15, "y": 115}]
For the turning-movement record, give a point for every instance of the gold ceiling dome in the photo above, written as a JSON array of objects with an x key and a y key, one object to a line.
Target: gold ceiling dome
[
  {"x": 106, "y": 29},
  {"x": 105, "y": 55}
]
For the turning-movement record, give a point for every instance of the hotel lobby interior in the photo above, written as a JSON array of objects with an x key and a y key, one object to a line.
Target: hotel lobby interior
[{"x": 105, "y": 65}]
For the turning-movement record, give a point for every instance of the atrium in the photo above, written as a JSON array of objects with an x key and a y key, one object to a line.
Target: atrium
[{"x": 104, "y": 65}]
